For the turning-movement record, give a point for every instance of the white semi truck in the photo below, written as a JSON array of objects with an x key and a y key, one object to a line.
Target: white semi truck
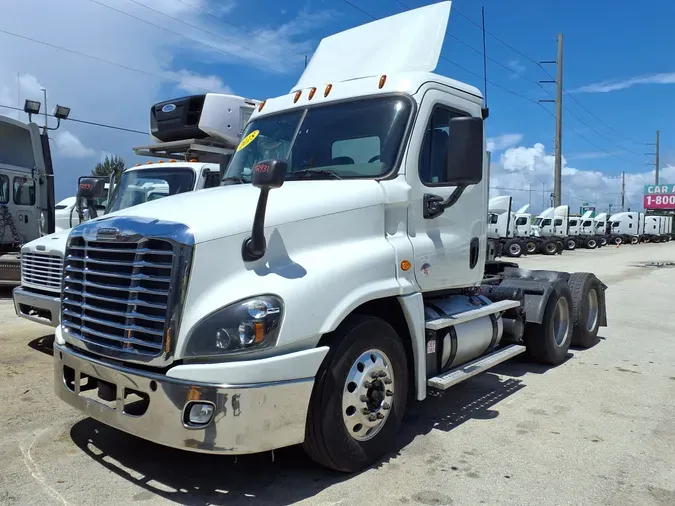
[
  {"x": 26, "y": 193},
  {"x": 627, "y": 227},
  {"x": 346, "y": 273},
  {"x": 658, "y": 228},
  {"x": 202, "y": 130},
  {"x": 510, "y": 231}
]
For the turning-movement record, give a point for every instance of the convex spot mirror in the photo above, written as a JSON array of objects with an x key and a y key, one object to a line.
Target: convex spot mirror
[{"x": 465, "y": 151}]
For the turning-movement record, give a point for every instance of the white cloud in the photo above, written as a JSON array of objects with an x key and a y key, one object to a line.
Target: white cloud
[
  {"x": 621, "y": 84},
  {"x": 502, "y": 142},
  {"x": 69, "y": 146},
  {"x": 98, "y": 91},
  {"x": 517, "y": 67},
  {"x": 526, "y": 173},
  {"x": 189, "y": 81}
]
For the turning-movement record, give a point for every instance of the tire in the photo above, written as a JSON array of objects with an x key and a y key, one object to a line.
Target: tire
[
  {"x": 585, "y": 290},
  {"x": 617, "y": 240},
  {"x": 546, "y": 343},
  {"x": 513, "y": 248},
  {"x": 591, "y": 243},
  {"x": 328, "y": 440},
  {"x": 548, "y": 247},
  {"x": 603, "y": 241},
  {"x": 634, "y": 240},
  {"x": 571, "y": 244},
  {"x": 531, "y": 247}
]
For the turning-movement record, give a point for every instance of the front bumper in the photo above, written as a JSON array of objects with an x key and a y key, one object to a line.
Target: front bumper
[
  {"x": 247, "y": 418},
  {"x": 38, "y": 307}
]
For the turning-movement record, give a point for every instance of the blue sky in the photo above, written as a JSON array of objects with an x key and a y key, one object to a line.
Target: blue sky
[{"x": 619, "y": 64}]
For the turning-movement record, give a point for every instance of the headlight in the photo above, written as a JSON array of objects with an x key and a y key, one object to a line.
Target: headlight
[{"x": 248, "y": 325}]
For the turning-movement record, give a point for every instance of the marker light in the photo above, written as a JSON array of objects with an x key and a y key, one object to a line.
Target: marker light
[
  {"x": 405, "y": 265},
  {"x": 312, "y": 91},
  {"x": 328, "y": 88},
  {"x": 262, "y": 104},
  {"x": 193, "y": 159},
  {"x": 297, "y": 96},
  {"x": 149, "y": 163},
  {"x": 174, "y": 161},
  {"x": 383, "y": 79}
]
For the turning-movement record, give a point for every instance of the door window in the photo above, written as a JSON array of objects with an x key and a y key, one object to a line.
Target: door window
[
  {"x": 212, "y": 179},
  {"x": 434, "y": 154},
  {"x": 4, "y": 189},
  {"x": 24, "y": 191}
]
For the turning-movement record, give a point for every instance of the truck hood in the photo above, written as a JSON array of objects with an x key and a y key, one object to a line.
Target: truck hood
[
  {"x": 49, "y": 244},
  {"x": 228, "y": 210}
]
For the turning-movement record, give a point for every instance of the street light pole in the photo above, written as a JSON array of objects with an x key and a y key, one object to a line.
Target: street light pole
[{"x": 44, "y": 91}]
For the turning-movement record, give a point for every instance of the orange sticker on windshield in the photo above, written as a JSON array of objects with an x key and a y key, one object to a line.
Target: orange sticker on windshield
[{"x": 248, "y": 139}]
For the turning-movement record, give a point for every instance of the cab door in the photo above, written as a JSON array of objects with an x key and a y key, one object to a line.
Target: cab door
[{"x": 450, "y": 246}]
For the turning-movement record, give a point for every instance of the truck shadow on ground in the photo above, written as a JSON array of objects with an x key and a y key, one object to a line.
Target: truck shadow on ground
[
  {"x": 44, "y": 344},
  {"x": 191, "y": 478},
  {"x": 6, "y": 292}
]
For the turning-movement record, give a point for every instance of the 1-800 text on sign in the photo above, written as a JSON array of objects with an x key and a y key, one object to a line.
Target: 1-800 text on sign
[{"x": 659, "y": 201}]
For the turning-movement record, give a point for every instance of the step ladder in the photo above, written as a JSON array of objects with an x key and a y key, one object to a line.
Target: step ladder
[{"x": 465, "y": 371}]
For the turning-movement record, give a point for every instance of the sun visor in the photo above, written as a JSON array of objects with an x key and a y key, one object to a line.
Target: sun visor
[{"x": 406, "y": 42}]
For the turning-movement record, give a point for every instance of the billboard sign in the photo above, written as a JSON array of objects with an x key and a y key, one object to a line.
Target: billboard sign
[{"x": 659, "y": 196}]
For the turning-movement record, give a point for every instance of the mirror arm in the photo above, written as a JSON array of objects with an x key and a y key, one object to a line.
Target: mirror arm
[
  {"x": 254, "y": 247},
  {"x": 434, "y": 205}
]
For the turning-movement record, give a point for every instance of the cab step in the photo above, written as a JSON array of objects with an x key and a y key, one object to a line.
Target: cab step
[
  {"x": 441, "y": 323},
  {"x": 470, "y": 369}
]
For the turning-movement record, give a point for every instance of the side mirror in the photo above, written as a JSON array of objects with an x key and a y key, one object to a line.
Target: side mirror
[
  {"x": 91, "y": 187},
  {"x": 266, "y": 175},
  {"x": 269, "y": 174},
  {"x": 465, "y": 151},
  {"x": 224, "y": 162}
]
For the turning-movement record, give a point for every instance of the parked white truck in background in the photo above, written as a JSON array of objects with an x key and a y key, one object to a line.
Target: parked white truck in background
[
  {"x": 627, "y": 227},
  {"x": 66, "y": 213},
  {"x": 204, "y": 130},
  {"x": 346, "y": 272},
  {"x": 510, "y": 238},
  {"x": 26, "y": 193},
  {"x": 658, "y": 228}
]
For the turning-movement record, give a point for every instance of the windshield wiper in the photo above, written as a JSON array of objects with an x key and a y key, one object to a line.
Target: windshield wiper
[
  {"x": 231, "y": 180},
  {"x": 314, "y": 172}
]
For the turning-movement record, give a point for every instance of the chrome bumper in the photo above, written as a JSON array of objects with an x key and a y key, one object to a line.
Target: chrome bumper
[
  {"x": 247, "y": 418},
  {"x": 37, "y": 307}
]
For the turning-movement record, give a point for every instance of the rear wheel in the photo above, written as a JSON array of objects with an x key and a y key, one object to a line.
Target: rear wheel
[
  {"x": 585, "y": 290},
  {"x": 359, "y": 396},
  {"x": 548, "y": 247},
  {"x": 603, "y": 241},
  {"x": 513, "y": 248},
  {"x": 549, "y": 341},
  {"x": 571, "y": 244},
  {"x": 531, "y": 246},
  {"x": 616, "y": 240},
  {"x": 591, "y": 243},
  {"x": 634, "y": 240}
]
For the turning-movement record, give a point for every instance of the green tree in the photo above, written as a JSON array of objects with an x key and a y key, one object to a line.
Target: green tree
[{"x": 110, "y": 165}]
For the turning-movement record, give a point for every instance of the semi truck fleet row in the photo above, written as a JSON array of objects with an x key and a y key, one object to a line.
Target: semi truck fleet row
[{"x": 319, "y": 260}]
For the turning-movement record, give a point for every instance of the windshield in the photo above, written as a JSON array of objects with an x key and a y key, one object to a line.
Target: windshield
[
  {"x": 139, "y": 186},
  {"x": 356, "y": 139},
  {"x": 494, "y": 218},
  {"x": 521, "y": 221},
  {"x": 537, "y": 221},
  {"x": 587, "y": 223},
  {"x": 616, "y": 224}
]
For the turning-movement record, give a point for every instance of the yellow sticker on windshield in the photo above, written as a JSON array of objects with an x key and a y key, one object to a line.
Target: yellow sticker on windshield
[{"x": 248, "y": 139}]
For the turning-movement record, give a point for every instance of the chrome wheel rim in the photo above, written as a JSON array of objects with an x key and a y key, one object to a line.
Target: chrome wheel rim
[
  {"x": 592, "y": 244},
  {"x": 593, "y": 309},
  {"x": 571, "y": 244},
  {"x": 531, "y": 247},
  {"x": 368, "y": 395},
  {"x": 561, "y": 321},
  {"x": 514, "y": 249},
  {"x": 550, "y": 247}
]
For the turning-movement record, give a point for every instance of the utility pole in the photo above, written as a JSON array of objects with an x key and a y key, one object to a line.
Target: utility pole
[
  {"x": 623, "y": 191},
  {"x": 529, "y": 201},
  {"x": 656, "y": 157},
  {"x": 557, "y": 173},
  {"x": 543, "y": 197}
]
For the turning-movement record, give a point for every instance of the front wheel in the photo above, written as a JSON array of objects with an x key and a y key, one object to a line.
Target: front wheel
[
  {"x": 634, "y": 240},
  {"x": 531, "y": 246},
  {"x": 571, "y": 244},
  {"x": 591, "y": 243},
  {"x": 513, "y": 248},
  {"x": 359, "y": 397},
  {"x": 548, "y": 247},
  {"x": 603, "y": 241}
]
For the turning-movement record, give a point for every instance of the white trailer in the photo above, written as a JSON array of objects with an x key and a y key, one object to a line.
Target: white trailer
[
  {"x": 193, "y": 155},
  {"x": 347, "y": 271}
]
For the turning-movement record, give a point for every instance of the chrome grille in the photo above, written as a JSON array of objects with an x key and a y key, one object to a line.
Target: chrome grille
[
  {"x": 116, "y": 295},
  {"x": 41, "y": 269}
]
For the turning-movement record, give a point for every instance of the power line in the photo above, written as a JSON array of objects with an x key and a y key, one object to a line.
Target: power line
[
  {"x": 92, "y": 123},
  {"x": 228, "y": 53},
  {"x": 207, "y": 32},
  {"x": 223, "y": 20},
  {"x": 68, "y": 50}
]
